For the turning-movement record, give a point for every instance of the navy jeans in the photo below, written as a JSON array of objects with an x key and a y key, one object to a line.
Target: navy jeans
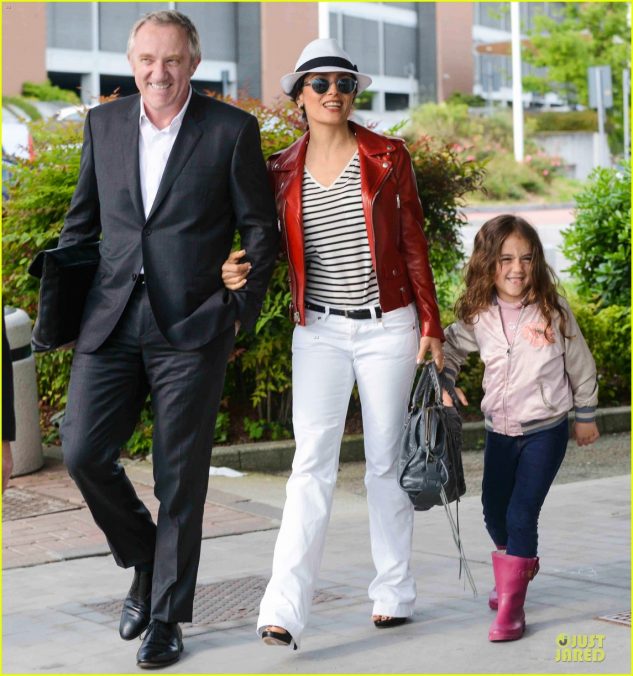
[{"x": 518, "y": 473}]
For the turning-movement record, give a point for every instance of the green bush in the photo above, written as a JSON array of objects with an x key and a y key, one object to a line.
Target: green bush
[
  {"x": 598, "y": 242},
  {"x": 607, "y": 331},
  {"x": 573, "y": 120},
  {"x": 508, "y": 179},
  {"x": 45, "y": 91},
  {"x": 470, "y": 100},
  {"x": 13, "y": 102},
  {"x": 443, "y": 178},
  {"x": 488, "y": 139}
]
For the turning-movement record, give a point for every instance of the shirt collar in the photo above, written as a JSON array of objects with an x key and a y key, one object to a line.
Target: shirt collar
[
  {"x": 174, "y": 124},
  {"x": 516, "y": 305}
]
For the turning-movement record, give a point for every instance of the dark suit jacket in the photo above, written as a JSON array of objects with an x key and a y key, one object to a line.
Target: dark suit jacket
[{"x": 214, "y": 182}]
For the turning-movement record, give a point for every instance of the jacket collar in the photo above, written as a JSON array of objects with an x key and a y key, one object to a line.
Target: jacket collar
[
  {"x": 369, "y": 144},
  {"x": 188, "y": 136}
]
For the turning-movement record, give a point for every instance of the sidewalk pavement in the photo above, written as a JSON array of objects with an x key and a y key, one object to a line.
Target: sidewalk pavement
[{"x": 62, "y": 617}]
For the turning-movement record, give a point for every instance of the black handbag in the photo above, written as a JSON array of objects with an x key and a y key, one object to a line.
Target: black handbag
[
  {"x": 430, "y": 468},
  {"x": 65, "y": 275}
]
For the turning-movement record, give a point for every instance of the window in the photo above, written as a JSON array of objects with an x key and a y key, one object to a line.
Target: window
[
  {"x": 396, "y": 101},
  {"x": 217, "y": 25},
  {"x": 68, "y": 25},
  {"x": 400, "y": 50},
  {"x": 360, "y": 40}
]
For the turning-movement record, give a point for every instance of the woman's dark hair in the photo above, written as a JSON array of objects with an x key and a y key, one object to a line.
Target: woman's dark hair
[
  {"x": 482, "y": 266},
  {"x": 294, "y": 94}
]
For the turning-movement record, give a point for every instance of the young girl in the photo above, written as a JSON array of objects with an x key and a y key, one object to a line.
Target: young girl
[{"x": 537, "y": 367}]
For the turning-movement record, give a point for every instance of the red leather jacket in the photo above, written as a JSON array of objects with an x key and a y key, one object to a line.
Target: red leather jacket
[{"x": 393, "y": 216}]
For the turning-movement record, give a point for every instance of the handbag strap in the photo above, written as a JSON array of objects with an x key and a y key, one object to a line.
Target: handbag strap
[{"x": 429, "y": 388}]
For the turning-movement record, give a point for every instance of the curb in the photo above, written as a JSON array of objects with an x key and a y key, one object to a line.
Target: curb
[
  {"x": 276, "y": 456},
  {"x": 517, "y": 207}
]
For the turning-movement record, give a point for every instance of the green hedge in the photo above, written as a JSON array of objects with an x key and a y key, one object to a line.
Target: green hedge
[
  {"x": 573, "y": 120},
  {"x": 598, "y": 242},
  {"x": 45, "y": 91},
  {"x": 22, "y": 104},
  {"x": 607, "y": 331}
]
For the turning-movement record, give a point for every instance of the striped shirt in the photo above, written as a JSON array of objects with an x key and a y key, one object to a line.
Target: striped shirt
[{"x": 339, "y": 270}]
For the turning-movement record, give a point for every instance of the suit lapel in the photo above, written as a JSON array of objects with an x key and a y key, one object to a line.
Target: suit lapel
[
  {"x": 130, "y": 134},
  {"x": 186, "y": 141}
]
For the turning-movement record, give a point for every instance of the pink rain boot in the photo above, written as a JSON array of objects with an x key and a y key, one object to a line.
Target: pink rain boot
[
  {"x": 512, "y": 576},
  {"x": 492, "y": 597}
]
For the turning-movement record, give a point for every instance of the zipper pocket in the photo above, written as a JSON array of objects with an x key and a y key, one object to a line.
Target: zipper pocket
[{"x": 547, "y": 403}]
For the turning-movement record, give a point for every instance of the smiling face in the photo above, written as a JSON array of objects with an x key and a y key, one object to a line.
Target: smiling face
[
  {"x": 331, "y": 107},
  {"x": 513, "y": 273},
  {"x": 162, "y": 66}
]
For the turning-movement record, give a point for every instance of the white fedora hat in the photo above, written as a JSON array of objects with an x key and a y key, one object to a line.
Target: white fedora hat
[{"x": 324, "y": 55}]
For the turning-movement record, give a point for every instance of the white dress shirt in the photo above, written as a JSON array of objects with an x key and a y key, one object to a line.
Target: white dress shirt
[{"x": 154, "y": 146}]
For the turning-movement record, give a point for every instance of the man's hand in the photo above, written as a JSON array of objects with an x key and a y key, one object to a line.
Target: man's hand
[
  {"x": 434, "y": 346},
  {"x": 234, "y": 274},
  {"x": 585, "y": 433}
]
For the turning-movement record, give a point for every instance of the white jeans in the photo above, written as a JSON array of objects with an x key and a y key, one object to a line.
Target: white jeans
[{"x": 328, "y": 355}]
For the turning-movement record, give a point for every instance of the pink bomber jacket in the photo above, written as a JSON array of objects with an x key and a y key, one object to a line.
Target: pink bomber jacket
[{"x": 532, "y": 383}]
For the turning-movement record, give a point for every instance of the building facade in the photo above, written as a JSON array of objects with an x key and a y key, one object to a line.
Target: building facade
[{"x": 414, "y": 51}]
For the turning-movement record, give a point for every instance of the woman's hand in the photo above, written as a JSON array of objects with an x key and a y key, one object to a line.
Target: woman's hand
[
  {"x": 446, "y": 397},
  {"x": 234, "y": 274},
  {"x": 434, "y": 346},
  {"x": 585, "y": 433}
]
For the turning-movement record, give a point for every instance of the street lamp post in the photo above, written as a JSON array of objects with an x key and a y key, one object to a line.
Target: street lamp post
[{"x": 517, "y": 86}]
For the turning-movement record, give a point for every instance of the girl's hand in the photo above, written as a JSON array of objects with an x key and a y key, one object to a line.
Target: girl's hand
[
  {"x": 585, "y": 433},
  {"x": 234, "y": 274},
  {"x": 434, "y": 346},
  {"x": 446, "y": 397}
]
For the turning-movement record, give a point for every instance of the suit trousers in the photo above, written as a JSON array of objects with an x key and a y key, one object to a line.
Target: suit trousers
[
  {"x": 107, "y": 390},
  {"x": 330, "y": 353}
]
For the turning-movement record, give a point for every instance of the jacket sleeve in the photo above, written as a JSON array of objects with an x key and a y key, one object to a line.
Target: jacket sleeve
[
  {"x": 460, "y": 342},
  {"x": 581, "y": 369},
  {"x": 273, "y": 179},
  {"x": 82, "y": 222},
  {"x": 256, "y": 221},
  {"x": 415, "y": 248}
]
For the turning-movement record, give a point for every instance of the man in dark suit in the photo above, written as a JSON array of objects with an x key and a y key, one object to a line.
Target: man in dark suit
[{"x": 165, "y": 179}]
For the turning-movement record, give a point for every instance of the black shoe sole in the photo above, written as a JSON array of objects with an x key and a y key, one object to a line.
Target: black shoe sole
[
  {"x": 391, "y": 622},
  {"x": 283, "y": 639},
  {"x": 160, "y": 665}
]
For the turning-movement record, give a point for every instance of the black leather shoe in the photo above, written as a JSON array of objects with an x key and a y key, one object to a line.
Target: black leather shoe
[
  {"x": 136, "y": 607},
  {"x": 161, "y": 646}
]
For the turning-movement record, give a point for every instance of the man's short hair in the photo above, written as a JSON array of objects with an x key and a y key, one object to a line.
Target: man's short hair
[{"x": 166, "y": 18}]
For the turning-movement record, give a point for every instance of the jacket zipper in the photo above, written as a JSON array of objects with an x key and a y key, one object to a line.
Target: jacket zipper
[
  {"x": 291, "y": 273},
  {"x": 507, "y": 378},
  {"x": 373, "y": 230}
]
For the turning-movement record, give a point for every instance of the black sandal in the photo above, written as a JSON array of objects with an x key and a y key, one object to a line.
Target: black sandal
[
  {"x": 390, "y": 622},
  {"x": 270, "y": 637}
]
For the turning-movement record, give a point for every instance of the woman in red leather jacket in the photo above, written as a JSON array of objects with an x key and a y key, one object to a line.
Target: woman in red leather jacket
[{"x": 362, "y": 293}]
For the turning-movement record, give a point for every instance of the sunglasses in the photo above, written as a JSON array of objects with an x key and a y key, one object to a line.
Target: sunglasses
[{"x": 344, "y": 85}]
